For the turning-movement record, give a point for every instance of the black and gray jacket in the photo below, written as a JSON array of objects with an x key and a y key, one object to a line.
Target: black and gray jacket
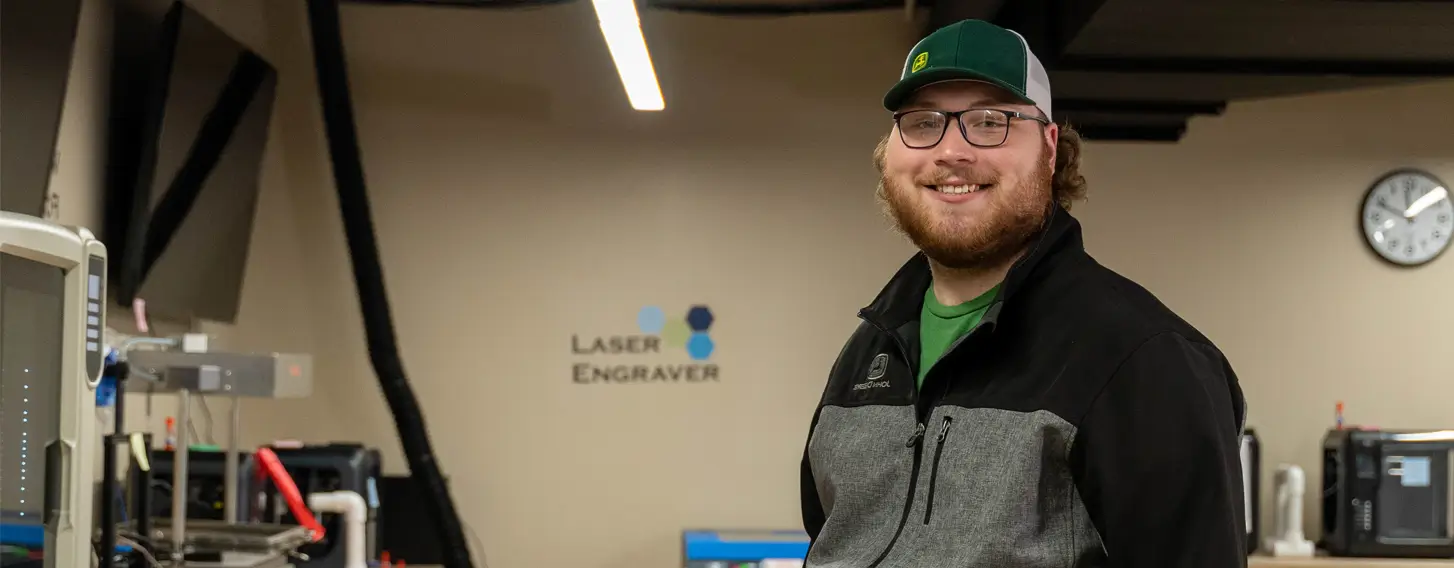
[{"x": 1081, "y": 424}]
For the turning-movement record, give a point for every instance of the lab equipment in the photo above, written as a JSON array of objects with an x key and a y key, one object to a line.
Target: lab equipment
[
  {"x": 314, "y": 468},
  {"x": 52, "y": 313},
  {"x": 1388, "y": 493},
  {"x": 183, "y": 366}
]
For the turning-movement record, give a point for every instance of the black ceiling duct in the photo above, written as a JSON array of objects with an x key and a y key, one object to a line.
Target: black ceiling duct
[{"x": 368, "y": 276}]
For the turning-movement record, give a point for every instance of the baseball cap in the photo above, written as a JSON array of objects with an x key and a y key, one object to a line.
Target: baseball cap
[{"x": 974, "y": 50}]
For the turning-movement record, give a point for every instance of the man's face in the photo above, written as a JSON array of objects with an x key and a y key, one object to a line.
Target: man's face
[{"x": 1008, "y": 196}]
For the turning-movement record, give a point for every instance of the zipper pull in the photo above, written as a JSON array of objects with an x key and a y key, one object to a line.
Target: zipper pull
[
  {"x": 918, "y": 435},
  {"x": 944, "y": 428}
]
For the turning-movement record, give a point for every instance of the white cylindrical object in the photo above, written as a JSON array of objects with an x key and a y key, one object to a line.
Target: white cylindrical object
[
  {"x": 1288, "y": 539},
  {"x": 355, "y": 512},
  {"x": 1290, "y": 493}
]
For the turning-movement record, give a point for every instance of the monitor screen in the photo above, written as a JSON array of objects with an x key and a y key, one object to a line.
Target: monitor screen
[
  {"x": 191, "y": 112},
  {"x": 32, "y": 309}
]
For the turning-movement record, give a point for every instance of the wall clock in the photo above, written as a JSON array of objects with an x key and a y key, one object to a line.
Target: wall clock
[{"x": 1408, "y": 217}]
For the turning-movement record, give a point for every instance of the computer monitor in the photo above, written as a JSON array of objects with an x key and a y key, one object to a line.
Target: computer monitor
[{"x": 52, "y": 316}]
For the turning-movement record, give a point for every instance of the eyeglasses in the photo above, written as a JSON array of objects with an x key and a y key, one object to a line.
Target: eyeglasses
[{"x": 981, "y": 127}]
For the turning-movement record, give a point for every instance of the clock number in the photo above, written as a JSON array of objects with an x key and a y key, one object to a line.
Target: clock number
[
  {"x": 1443, "y": 218},
  {"x": 1409, "y": 250},
  {"x": 1409, "y": 184},
  {"x": 1376, "y": 217}
]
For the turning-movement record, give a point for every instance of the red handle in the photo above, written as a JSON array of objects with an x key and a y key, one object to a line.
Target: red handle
[{"x": 269, "y": 462}]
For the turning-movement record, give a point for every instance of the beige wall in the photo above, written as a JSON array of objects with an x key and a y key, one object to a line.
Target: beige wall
[{"x": 503, "y": 168}]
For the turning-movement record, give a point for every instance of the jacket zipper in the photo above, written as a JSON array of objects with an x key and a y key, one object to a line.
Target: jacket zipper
[
  {"x": 915, "y": 443},
  {"x": 934, "y": 472}
]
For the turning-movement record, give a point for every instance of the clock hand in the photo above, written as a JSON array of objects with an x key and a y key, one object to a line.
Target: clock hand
[
  {"x": 1391, "y": 210},
  {"x": 1418, "y": 206}
]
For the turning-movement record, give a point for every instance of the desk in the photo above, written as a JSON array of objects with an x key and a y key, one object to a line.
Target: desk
[{"x": 1259, "y": 561}]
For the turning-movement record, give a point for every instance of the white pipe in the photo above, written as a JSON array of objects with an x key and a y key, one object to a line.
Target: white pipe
[{"x": 351, "y": 505}]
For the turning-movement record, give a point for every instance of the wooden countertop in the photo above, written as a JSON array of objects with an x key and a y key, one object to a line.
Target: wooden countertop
[{"x": 1258, "y": 561}]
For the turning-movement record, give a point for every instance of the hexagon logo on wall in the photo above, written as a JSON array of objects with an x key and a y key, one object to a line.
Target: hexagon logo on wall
[
  {"x": 700, "y": 345},
  {"x": 692, "y": 331}
]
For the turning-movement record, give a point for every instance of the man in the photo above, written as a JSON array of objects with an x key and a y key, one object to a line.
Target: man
[{"x": 1008, "y": 402}]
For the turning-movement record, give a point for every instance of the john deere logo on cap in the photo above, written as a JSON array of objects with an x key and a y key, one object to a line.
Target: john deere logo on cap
[{"x": 920, "y": 61}]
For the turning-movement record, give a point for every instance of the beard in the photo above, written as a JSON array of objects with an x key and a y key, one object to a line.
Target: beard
[{"x": 992, "y": 238}]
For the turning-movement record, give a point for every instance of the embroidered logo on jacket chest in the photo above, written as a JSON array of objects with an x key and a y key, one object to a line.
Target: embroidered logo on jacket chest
[{"x": 876, "y": 371}]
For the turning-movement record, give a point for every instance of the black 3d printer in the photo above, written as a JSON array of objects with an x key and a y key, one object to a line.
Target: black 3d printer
[{"x": 1388, "y": 493}]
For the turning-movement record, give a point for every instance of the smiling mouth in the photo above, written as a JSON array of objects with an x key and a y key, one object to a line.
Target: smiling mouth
[{"x": 961, "y": 189}]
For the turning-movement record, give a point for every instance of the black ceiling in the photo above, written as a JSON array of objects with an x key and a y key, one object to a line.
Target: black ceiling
[{"x": 1140, "y": 69}]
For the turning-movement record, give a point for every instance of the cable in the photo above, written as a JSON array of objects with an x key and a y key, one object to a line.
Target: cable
[
  {"x": 193, "y": 429},
  {"x": 479, "y": 545},
  {"x": 207, "y": 415},
  {"x": 139, "y": 548}
]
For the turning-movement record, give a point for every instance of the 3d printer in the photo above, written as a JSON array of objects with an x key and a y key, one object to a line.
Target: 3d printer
[{"x": 52, "y": 314}]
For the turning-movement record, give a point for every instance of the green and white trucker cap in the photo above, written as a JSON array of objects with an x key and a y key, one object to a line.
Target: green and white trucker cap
[{"x": 974, "y": 50}]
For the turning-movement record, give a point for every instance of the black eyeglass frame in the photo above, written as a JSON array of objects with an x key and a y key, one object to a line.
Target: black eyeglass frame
[{"x": 1010, "y": 115}]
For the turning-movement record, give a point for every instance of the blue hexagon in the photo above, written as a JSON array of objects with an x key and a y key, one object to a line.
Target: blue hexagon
[
  {"x": 700, "y": 318},
  {"x": 700, "y": 346},
  {"x": 651, "y": 320}
]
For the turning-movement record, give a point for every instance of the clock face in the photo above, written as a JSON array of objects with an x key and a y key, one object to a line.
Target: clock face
[{"x": 1408, "y": 217}]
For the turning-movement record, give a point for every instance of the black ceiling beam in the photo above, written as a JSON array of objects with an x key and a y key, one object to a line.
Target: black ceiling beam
[
  {"x": 1049, "y": 26},
  {"x": 1183, "y": 108},
  {"x": 1072, "y": 16},
  {"x": 1255, "y": 66},
  {"x": 1127, "y": 133},
  {"x": 945, "y": 12}
]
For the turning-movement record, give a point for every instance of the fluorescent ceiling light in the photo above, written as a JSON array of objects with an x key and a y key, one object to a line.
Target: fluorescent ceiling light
[{"x": 622, "y": 30}]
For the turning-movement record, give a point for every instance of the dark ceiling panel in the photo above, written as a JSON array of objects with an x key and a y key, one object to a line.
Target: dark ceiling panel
[
  {"x": 943, "y": 12},
  {"x": 1194, "y": 87},
  {"x": 1290, "y": 29},
  {"x": 1131, "y": 133},
  {"x": 1265, "y": 66},
  {"x": 1138, "y": 106},
  {"x": 1091, "y": 118}
]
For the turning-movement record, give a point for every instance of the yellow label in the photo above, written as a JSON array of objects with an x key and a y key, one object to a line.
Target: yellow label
[{"x": 920, "y": 61}]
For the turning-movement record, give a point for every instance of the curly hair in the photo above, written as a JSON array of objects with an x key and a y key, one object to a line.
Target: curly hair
[{"x": 1068, "y": 185}]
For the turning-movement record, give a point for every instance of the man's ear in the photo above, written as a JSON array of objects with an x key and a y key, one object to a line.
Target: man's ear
[{"x": 1052, "y": 141}]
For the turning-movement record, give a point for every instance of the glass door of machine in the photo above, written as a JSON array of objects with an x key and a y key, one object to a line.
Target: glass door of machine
[{"x": 31, "y": 309}]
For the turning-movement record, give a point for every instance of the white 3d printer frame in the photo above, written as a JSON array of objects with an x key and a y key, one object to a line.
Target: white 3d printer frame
[{"x": 70, "y": 458}]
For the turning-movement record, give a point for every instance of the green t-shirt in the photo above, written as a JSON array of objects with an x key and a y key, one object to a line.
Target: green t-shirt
[{"x": 940, "y": 325}]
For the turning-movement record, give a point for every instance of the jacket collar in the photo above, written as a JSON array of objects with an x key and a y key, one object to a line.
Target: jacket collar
[{"x": 901, "y": 300}]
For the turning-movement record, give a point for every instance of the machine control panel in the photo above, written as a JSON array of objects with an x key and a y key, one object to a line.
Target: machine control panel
[{"x": 95, "y": 316}]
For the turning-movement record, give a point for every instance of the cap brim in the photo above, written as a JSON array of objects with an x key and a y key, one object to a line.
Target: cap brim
[{"x": 900, "y": 91}]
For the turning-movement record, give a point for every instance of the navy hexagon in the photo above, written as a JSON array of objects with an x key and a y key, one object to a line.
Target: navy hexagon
[
  {"x": 700, "y": 346},
  {"x": 699, "y": 318}
]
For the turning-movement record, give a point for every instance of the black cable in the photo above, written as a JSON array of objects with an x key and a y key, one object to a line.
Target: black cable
[
  {"x": 331, "y": 66},
  {"x": 106, "y": 555}
]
